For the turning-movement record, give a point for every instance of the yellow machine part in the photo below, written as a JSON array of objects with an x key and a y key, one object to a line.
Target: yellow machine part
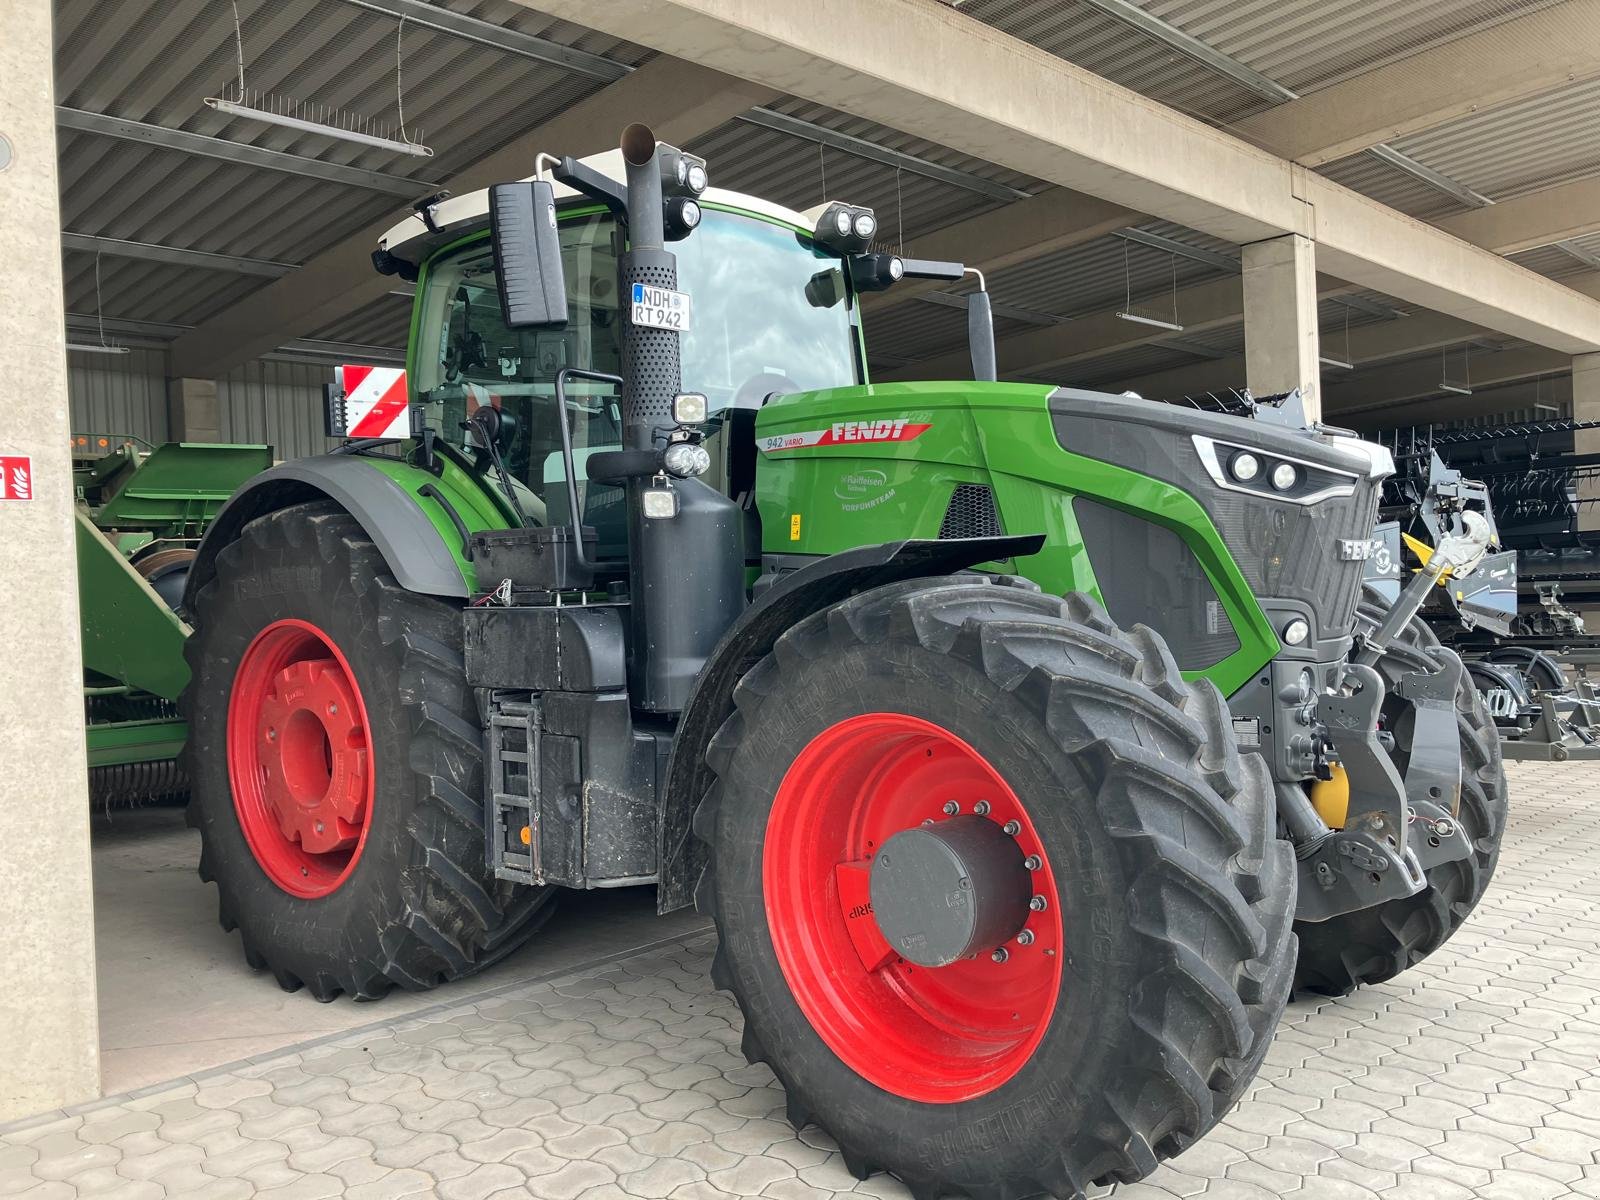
[
  {"x": 1424, "y": 552},
  {"x": 1331, "y": 798}
]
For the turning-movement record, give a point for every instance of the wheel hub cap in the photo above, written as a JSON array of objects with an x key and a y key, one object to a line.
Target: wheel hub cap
[
  {"x": 945, "y": 891},
  {"x": 314, "y": 754},
  {"x": 923, "y": 992}
]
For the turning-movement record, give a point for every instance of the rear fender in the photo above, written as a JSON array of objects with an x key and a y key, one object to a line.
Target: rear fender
[
  {"x": 794, "y": 597},
  {"x": 398, "y": 519}
]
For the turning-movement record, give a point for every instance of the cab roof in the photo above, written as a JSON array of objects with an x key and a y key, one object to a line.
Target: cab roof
[{"x": 412, "y": 241}]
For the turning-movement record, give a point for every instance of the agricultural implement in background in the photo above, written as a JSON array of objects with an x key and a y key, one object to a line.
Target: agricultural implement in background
[
  {"x": 141, "y": 514},
  {"x": 1509, "y": 619},
  {"x": 917, "y": 689}
]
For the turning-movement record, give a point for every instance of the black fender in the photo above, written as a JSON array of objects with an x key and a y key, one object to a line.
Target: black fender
[
  {"x": 792, "y": 598},
  {"x": 410, "y": 544}
]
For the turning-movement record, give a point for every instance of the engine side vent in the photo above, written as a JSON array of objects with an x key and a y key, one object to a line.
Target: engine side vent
[{"x": 971, "y": 513}]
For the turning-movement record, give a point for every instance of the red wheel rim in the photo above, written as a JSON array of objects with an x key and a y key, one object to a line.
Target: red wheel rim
[
  {"x": 937, "y": 1035},
  {"x": 299, "y": 758}
]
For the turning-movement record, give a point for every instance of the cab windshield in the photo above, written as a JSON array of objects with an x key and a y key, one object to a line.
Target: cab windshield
[{"x": 769, "y": 313}]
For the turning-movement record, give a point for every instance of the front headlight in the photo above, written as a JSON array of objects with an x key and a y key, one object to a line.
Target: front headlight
[
  {"x": 1284, "y": 476},
  {"x": 1244, "y": 467},
  {"x": 686, "y": 459}
]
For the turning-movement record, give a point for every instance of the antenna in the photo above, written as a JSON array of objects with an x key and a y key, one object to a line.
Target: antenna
[{"x": 318, "y": 118}]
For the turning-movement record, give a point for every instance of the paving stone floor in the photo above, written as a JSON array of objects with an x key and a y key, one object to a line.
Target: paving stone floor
[{"x": 1477, "y": 1074}]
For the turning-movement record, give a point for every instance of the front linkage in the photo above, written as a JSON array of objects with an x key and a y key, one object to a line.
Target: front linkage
[{"x": 1397, "y": 826}]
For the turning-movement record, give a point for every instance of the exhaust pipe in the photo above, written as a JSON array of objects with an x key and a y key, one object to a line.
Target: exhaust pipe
[
  {"x": 685, "y": 570},
  {"x": 651, "y": 367}
]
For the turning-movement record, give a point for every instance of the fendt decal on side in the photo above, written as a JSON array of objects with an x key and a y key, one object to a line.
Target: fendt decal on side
[{"x": 899, "y": 429}]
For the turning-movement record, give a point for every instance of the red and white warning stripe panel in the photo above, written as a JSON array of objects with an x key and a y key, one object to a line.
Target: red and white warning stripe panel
[
  {"x": 377, "y": 401},
  {"x": 841, "y": 433}
]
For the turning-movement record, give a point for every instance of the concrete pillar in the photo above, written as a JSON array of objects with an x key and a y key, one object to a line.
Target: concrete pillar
[
  {"x": 1586, "y": 407},
  {"x": 1281, "y": 350},
  {"x": 193, "y": 411},
  {"x": 49, "y": 1051}
]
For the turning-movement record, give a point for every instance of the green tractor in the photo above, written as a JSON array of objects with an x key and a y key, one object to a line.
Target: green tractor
[{"x": 1010, "y": 734}]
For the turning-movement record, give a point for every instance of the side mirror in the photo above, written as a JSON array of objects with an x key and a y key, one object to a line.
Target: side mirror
[
  {"x": 980, "y": 336},
  {"x": 527, "y": 255}
]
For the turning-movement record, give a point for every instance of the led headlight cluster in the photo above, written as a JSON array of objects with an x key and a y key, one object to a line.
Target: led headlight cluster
[
  {"x": 683, "y": 174},
  {"x": 683, "y": 178},
  {"x": 845, "y": 228},
  {"x": 1257, "y": 472},
  {"x": 1246, "y": 467}
]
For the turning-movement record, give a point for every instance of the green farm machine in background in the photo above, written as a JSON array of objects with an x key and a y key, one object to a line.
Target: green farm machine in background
[
  {"x": 141, "y": 513},
  {"x": 1009, "y": 733}
]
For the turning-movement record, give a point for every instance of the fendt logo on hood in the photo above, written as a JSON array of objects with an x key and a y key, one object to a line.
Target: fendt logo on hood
[{"x": 895, "y": 429}]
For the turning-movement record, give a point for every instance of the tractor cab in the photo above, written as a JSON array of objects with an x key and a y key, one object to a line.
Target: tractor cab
[
  {"x": 770, "y": 311},
  {"x": 769, "y": 306}
]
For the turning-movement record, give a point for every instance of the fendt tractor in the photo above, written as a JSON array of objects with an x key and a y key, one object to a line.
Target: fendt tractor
[{"x": 1010, "y": 734}]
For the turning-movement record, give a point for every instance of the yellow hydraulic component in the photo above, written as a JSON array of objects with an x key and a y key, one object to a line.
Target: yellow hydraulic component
[
  {"x": 1331, "y": 798},
  {"x": 1424, "y": 552}
]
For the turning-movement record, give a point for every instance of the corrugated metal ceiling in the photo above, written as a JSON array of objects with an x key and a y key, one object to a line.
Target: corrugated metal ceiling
[
  {"x": 1510, "y": 149},
  {"x": 156, "y": 62},
  {"x": 1301, "y": 44}
]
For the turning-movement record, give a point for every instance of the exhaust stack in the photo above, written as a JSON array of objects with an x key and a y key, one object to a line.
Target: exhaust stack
[
  {"x": 651, "y": 366},
  {"x": 685, "y": 568}
]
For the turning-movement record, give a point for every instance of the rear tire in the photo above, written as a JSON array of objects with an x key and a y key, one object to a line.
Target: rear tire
[
  {"x": 1375, "y": 944},
  {"x": 1175, "y": 899},
  {"x": 414, "y": 905}
]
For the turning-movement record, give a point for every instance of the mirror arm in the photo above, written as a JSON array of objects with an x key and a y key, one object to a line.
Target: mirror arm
[
  {"x": 932, "y": 268},
  {"x": 591, "y": 183}
]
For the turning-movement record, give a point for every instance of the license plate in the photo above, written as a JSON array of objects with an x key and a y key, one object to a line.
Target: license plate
[{"x": 660, "y": 308}]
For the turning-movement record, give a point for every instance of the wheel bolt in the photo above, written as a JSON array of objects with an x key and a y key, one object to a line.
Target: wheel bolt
[
  {"x": 926, "y": 821},
  {"x": 1000, "y": 955},
  {"x": 1038, "y": 904},
  {"x": 319, "y": 826},
  {"x": 333, "y": 710},
  {"x": 1025, "y": 938},
  {"x": 981, "y": 808},
  {"x": 951, "y": 808},
  {"x": 1012, "y": 827},
  {"x": 272, "y": 735},
  {"x": 1033, "y": 862}
]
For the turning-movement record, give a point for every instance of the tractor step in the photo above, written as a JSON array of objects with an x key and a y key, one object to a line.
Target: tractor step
[{"x": 513, "y": 825}]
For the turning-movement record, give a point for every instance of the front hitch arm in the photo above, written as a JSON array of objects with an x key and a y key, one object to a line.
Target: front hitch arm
[{"x": 1368, "y": 861}]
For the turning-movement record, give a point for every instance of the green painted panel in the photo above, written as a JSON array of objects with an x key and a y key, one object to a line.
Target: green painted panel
[
  {"x": 180, "y": 486},
  {"x": 116, "y": 742},
  {"x": 478, "y": 506},
  {"x": 854, "y": 465},
  {"x": 129, "y": 634}
]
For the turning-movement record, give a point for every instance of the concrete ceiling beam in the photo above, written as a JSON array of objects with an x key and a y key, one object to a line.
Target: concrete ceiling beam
[
  {"x": 938, "y": 74},
  {"x": 1536, "y": 219}
]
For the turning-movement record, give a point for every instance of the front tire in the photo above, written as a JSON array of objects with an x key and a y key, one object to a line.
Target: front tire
[
  {"x": 1375, "y": 944},
  {"x": 336, "y": 765},
  {"x": 1167, "y": 901}
]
